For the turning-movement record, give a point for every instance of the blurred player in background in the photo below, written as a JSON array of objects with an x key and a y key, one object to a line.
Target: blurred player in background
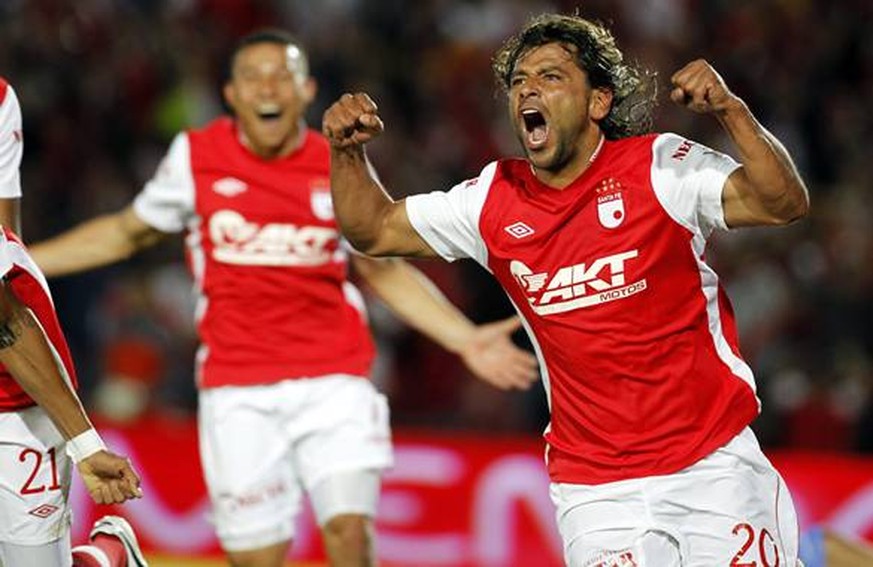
[
  {"x": 43, "y": 426},
  {"x": 598, "y": 237},
  {"x": 285, "y": 406}
]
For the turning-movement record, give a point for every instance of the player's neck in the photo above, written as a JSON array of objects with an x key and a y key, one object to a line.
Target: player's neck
[
  {"x": 561, "y": 178},
  {"x": 292, "y": 143}
]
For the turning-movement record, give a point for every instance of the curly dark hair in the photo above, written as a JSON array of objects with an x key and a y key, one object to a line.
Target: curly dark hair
[{"x": 633, "y": 90}]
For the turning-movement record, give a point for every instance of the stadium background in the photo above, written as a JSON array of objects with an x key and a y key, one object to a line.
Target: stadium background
[{"x": 104, "y": 85}]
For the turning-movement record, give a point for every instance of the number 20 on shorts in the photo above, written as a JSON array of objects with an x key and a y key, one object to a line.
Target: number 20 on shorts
[{"x": 766, "y": 548}]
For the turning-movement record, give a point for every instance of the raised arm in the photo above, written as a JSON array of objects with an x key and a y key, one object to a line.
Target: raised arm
[
  {"x": 98, "y": 242},
  {"x": 487, "y": 350},
  {"x": 27, "y": 355},
  {"x": 767, "y": 190},
  {"x": 370, "y": 219}
]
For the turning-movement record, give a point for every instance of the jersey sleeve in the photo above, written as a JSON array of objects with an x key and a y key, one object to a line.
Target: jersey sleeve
[
  {"x": 449, "y": 220},
  {"x": 689, "y": 180},
  {"x": 5, "y": 257},
  {"x": 11, "y": 146},
  {"x": 167, "y": 200}
]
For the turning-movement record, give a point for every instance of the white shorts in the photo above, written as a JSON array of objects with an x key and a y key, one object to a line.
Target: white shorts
[
  {"x": 262, "y": 446},
  {"x": 730, "y": 508},
  {"x": 34, "y": 479}
]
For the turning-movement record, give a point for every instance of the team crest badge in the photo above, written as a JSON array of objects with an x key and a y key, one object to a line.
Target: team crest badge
[
  {"x": 322, "y": 204},
  {"x": 610, "y": 205}
]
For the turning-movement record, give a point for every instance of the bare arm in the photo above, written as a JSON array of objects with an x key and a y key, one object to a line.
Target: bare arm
[
  {"x": 372, "y": 221},
  {"x": 767, "y": 190},
  {"x": 98, "y": 242},
  {"x": 27, "y": 355},
  {"x": 10, "y": 214},
  {"x": 25, "y": 352},
  {"x": 487, "y": 350}
]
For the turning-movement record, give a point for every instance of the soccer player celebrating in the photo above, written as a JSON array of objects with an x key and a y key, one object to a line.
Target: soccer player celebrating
[
  {"x": 285, "y": 407},
  {"x": 43, "y": 426},
  {"x": 598, "y": 238}
]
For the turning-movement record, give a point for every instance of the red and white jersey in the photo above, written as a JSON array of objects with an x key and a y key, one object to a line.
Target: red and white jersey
[
  {"x": 635, "y": 337},
  {"x": 264, "y": 249},
  {"x": 29, "y": 286},
  {"x": 11, "y": 146}
]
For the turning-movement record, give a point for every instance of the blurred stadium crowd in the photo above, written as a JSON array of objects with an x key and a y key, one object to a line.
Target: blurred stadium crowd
[{"x": 105, "y": 84}]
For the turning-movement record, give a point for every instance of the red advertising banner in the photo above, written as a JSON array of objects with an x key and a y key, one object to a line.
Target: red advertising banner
[{"x": 452, "y": 500}]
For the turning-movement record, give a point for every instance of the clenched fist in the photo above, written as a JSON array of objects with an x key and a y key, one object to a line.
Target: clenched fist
[
  {"x": 109, "y": 478},
  {"x": 700, "y": 88},
  {"x": 352, "y": 120}
]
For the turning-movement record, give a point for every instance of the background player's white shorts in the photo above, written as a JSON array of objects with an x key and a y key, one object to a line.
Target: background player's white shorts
[
  {"x": 731, "y": 508},
  {"x": 34, "y": 479},
  {"x": 261, "y": 446}
]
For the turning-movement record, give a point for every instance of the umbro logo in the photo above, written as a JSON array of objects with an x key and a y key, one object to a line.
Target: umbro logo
[
  {"x": 518, "y": 230},
  {"x": 229, "y": 186},
  {"x": 44, "y": 511}
]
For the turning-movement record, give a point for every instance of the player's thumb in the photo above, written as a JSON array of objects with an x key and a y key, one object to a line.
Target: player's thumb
[
  {"x": 678, "y": 96},
  {"x": 509, "y": 325},
  {"x": 371, "y": 122}
]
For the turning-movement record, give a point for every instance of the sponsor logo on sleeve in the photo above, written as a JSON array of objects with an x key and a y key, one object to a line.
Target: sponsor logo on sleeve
[
  {"x": 682, "y": 151},
  {"x": 579, "y": 285}
]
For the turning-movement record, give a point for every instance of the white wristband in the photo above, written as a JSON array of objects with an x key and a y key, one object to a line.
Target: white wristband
[{"x": 84, "y": 445}]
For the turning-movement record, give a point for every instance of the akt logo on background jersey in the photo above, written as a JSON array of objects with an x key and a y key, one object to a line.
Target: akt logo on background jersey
[
  {"x": 610, "y": 205},
  {"x": 577, "y": 286},
  {"x": 240, "y": 241}
]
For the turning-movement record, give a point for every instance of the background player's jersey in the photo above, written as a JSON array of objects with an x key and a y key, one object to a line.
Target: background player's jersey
[
  {"x": 29, "y": 286},
  {"x": 636, "y": 339},
  {"x": 264, "y": 249},
  {"x": 11, "y": 146}
]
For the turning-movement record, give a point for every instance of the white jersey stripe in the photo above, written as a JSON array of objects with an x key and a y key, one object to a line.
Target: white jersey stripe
[
  {"x": 709, "y": 287},
  {"x": 672, "y": 181},
  {"x": 197, "y": 260}
]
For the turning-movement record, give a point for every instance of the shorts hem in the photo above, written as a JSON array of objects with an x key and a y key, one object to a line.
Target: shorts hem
[
  {"x": 381, "y": 467},
  {"x": 258, "y": 537}
]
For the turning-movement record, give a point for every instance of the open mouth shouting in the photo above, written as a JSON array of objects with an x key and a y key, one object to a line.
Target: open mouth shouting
[
  {"x": 268, "y": 112},
  {"x": 536, "y": 129}
]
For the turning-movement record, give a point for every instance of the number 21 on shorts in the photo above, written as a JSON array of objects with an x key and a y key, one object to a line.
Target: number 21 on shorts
[{"x": 34, "y": 459}]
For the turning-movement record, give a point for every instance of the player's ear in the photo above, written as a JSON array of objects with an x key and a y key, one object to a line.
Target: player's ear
[
  {"x": 229, "y": 94},
  {"x": 599, "y": 104}
]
